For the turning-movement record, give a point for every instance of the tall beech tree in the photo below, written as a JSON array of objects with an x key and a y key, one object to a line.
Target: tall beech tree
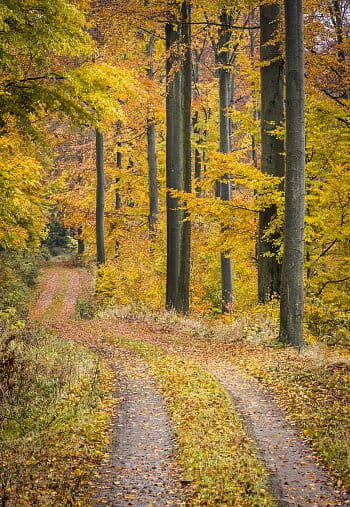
[
  {"x": 292, "y": 292},
  {"x": 173, "y": 159},
  {"x": 272, "y": 157},
  {"x": 182, "y": 302},
  {"x": 196, "y": 129},
  {"x": 224, "y": 58},
  {"x": 151, "y": 149},
  {"x": 100, "y": 233},
  {"x": 178, "y": 157}
]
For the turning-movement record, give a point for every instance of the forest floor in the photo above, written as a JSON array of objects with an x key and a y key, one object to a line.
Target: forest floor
[{"x": 156, "y": 454}]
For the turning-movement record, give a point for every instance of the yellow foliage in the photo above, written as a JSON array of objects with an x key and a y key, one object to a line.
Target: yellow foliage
[{"x": 23, "y": 212}]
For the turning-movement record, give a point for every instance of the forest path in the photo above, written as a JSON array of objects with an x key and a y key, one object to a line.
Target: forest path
[
  {"x": 295, "y": 475},
  {"x": 138, "y": 469}
]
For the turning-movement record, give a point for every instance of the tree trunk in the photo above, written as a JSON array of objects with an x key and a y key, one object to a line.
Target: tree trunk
[
  {"x": 339, "y": 29},
  {"x": 196, "y": 129},
  {"x": 224, "y": 188},
  {"x": 118, "y": 197},
  {"x": 292, "y": 292},
  {"x": 186, "y": 98},
  {"x": 151, "y": 151},
  {"x": 272, "y": 159},
  {"x": 255, "y": 112},
  {"x": 81, "y": 245},
  {"x": 173, "y": 162},
  {"x": 152, "y": 176},
  {"x": 100, "y": 236}
]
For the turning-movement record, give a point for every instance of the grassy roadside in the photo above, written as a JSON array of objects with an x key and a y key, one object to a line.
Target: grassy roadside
[
  {"x": 217, "y": 457},
  {"x": 55, "y": 401}
]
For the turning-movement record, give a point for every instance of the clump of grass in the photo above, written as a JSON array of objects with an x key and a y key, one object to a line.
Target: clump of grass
[
  {"x": 55, "y": 399},
  {"x": 85, "y": 309},
  {"x": 217, "y": 457}
]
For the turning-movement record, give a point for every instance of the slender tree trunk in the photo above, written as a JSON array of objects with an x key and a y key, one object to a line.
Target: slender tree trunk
[
  {"x": 186, "y": 99},
  {"x": 151, "y": 151},
  {"x": 292, "y": 291},
  {"x": 224, "y": 188},
  {"x": 272, "y": 159},
  {"x": 100, "y": 236},
  {"x": 81, "y": 245},
  {"x": 255, "y": 113},
  {"x": 196, "y": 129},
  {"x": 118, "y": 197},
  {"x": 152, "y": 175},
  {"x": 173, "y": 163},
  {"x": 197, "y": 161}
]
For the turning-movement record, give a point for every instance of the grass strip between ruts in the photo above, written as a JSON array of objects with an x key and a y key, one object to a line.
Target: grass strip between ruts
[{"x": 217, "y": 457}]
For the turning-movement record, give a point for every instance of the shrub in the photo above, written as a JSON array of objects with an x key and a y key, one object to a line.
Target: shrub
[{"x": 18, "y": 276}]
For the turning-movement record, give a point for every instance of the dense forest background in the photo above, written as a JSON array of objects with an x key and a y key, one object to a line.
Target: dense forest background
[{"x": 71, "y": 69}]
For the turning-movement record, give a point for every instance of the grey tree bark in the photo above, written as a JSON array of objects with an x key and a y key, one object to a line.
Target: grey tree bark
[
  {"x": 255, "y": 112},
  {"x": 292, "y": 292},
  {"x": 151, "y": 152},
  {"x": 118, "y": 197},
  {"x": 196, "y": 129},
  {"x": 224, "y": 189},
  {"x": 100, "y": 235},
  {"x": 272, "y": 148},
  {"x": 173, "y": 161},
  {"x": 182, "y": 303}
]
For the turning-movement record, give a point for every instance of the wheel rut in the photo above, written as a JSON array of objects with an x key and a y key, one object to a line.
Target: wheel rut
[
  {"x": 138, "y": 470},
  {"x": 295, "y": 475}
]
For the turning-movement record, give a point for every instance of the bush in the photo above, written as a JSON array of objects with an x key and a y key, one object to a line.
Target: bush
[{"x": 329, "y": 323}]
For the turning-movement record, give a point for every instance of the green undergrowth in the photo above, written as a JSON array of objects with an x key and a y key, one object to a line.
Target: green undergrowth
[
  {"x": 55, "y": 401},
  {"x": 216, "y": 456}
]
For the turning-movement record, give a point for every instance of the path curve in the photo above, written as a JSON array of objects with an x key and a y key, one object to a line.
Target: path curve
[
  {"x": 139, "y": 467},
  {"x": 295, "y": 475},
  {"x": 127, "y": 479}
]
